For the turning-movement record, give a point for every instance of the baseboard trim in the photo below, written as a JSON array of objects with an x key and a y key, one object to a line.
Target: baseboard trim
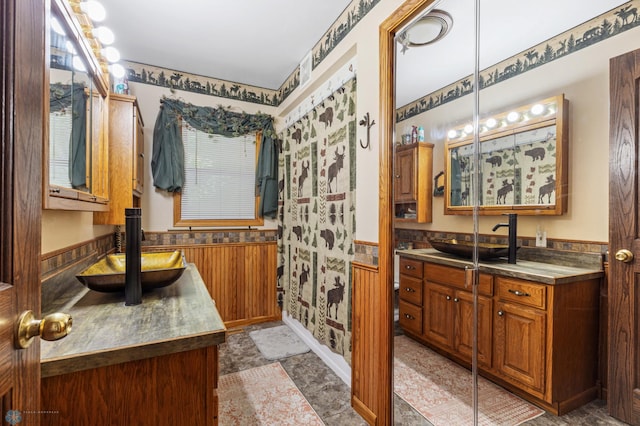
[{"x": 334, "y": 361}]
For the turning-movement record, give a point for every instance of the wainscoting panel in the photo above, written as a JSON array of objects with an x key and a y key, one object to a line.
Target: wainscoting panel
[
  {"x": 370, "y": 375},
  {"x": 241, "y": 279}
]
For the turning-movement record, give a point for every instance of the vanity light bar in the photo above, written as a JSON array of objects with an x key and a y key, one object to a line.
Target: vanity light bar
[{"x": 505, "y": 120}]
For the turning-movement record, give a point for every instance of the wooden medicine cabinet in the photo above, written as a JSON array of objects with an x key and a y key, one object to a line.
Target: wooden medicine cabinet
[
  {"x": 522, "y": 162},
  {"x": 75, "y": 149}
]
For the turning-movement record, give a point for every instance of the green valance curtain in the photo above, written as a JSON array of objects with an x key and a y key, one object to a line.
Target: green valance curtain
[
  {"x": 167, "y": 162},
  {"x": 61, "y": 97}
]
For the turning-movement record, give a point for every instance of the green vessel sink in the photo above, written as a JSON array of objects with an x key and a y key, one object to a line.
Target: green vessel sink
[{"x": 159, "y": 269}]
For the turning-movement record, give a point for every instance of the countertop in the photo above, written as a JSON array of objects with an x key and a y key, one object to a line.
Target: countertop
[
  {"x": 171, "y": 319},
  {"x": 543, "y": 272}
]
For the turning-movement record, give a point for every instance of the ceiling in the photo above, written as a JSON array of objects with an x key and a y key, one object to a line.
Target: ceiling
[{"x": 261, "y": 43}]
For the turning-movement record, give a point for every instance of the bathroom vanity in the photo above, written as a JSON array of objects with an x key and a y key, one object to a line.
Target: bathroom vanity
[
  {"x": 538, "y": 322},
  {"x": 155, "y": 363}
]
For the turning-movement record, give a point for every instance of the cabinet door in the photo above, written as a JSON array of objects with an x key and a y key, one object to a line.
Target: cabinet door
[
  {"x": 463, "y": 327},
  {"x": 405, "y": 175},
  {"x": 519, "y": 345},
  {"x": 438, "y": 314}
]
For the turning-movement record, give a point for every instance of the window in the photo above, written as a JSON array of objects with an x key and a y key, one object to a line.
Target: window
[{"x": 219, "y": 180}]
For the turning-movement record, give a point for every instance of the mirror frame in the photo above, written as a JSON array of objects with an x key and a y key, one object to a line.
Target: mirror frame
[
  {"x": 62, "y": 198},
  {"x": 557, "y": 118}
]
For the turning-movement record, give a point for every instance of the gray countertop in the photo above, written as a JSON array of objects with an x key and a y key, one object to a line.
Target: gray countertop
[
  {"x": 171, "y": 319},
  {"x": 543, "y": 272}
]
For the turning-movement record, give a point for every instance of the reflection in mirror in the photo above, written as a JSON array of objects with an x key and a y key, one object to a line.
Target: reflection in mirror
[
  {"x": 74, "y": 153},
  {"x": 69, "y": 114},
  {"x": 522, "y": 163}
]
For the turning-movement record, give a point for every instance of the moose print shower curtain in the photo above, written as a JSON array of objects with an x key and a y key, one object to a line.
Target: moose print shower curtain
[{"x": 317, "y": 219}]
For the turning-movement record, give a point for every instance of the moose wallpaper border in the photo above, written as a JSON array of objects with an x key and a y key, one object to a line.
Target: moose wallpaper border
[
  {"x": 598, "y": 29},
  {"x": 181, "y": 80}
]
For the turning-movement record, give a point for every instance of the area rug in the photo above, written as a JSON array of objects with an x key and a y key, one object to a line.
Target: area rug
[
  {"x": 278, "y": 342},
  {"x": 263, "y": 396},
  {"x": 441, "y": 391}
]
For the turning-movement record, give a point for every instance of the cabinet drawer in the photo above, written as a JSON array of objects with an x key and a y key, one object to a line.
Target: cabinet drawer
[
  {"x": 411, "y": 290},
  {"x": 523, "y": 292},
  {"x": 456, "y": 277},
  {"x": 411, "y": 267},
  {"x": 410, "y": 317}
]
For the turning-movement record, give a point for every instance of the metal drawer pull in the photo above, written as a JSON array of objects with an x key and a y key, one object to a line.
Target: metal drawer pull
[
  {"x": 409, "y": 289},
  {"x": 409, "y": 267},
  {"x": 448, "y": 297},
  {"x": 456, "y": 300},
  {"x": 411, "y": 317},
  {"x": 519, "y": 293},
  {"x": 500, "y": 313}
]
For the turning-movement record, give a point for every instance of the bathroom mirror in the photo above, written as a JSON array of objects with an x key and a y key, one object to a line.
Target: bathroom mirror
[
  {"x": 522, "y": 161},
  {"x": 75, "y": 148}
]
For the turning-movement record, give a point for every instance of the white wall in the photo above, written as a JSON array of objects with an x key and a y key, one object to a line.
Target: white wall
[{"x": 583, "y": 77}]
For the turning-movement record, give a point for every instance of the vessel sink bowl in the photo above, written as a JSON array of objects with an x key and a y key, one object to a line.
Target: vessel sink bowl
[
  {"x": 159, "y": 269},
  {"x": 486, "y": 251}
]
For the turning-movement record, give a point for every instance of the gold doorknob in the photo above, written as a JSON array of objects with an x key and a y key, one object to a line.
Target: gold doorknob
[
  {"x": 51, "y": 327},
  {"x": 624, "y": 255}
]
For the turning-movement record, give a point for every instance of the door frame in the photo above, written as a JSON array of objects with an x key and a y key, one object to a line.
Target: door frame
[
  {"x": 408, "y": 11},
  {"x": 22, "y": 83}
]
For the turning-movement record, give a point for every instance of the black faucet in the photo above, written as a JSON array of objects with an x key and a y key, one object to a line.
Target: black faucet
[
  {"x": 513, "y": 229},
  {"x": 133, "y": 262}
]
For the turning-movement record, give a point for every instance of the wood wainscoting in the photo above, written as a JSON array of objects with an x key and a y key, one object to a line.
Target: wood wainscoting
[
  {"x": 369, "y": 395},
  {"x": 241, "y": 279}
]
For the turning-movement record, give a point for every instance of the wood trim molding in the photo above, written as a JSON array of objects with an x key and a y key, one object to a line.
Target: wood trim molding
[{"x": 387, "y": 31}]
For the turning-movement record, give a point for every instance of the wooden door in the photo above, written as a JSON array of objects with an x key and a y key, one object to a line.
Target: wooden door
[
  {"x": 624, "y": 268},
  {"x": 463, "y": 326},
  {"x": 519, "y": 345},
  {"x": 21, "y": 88},
  {"x": 405, "y": 175},
  {"x": 438, "y": 314}
]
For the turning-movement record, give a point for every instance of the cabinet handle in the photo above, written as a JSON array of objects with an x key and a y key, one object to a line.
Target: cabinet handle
[
  {"x": 500, "y": 313},
  {"x": 448, "y": 297},
  {"x": 456, "y": 300},
  {"x": 409, "y": 289},
  {"x": 397, "y": 176},
  {"x": 519, "y": 293},
  {"x": 409, "y": 267},
  {"x": 411, "y": 317}
]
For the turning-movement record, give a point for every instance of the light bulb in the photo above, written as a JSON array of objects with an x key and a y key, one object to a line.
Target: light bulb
[
  {"x": 452, "y": 134},
  {"x": 468, "y": 129},
  {"x": 117, "y": 70},
  {"x": 111, "y": 53},
  {"x": 94, "y": 10},
  {"x": 513, "y": 117},
  {"x": 491, "y": 123},
  {"x": 537, "y": 109},
  {"x": 104, "y": 34}
]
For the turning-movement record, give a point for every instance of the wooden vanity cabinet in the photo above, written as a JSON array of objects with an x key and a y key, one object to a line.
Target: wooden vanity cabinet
[
  {"x": 520, "y": 333},
  {"x": 448, "y": 312},
  {"x": 413, "y": 182},
  {"x": 126, "y": 159},
  {"x": 538, "y": 340},
  {"x": 410, "y": 294}
]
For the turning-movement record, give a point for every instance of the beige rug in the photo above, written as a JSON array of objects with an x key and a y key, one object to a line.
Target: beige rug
[
  {"x": 278, "y": 342},
  {"x": 440, "y": 390},
  {"x": 263, "y": 396}
]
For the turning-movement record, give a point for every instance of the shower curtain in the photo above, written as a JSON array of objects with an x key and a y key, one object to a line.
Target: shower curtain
[{"x": 316, "y": 219}]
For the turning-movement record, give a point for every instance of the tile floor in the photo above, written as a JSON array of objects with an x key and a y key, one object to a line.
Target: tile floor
[{"x": 330, "y": 396}]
